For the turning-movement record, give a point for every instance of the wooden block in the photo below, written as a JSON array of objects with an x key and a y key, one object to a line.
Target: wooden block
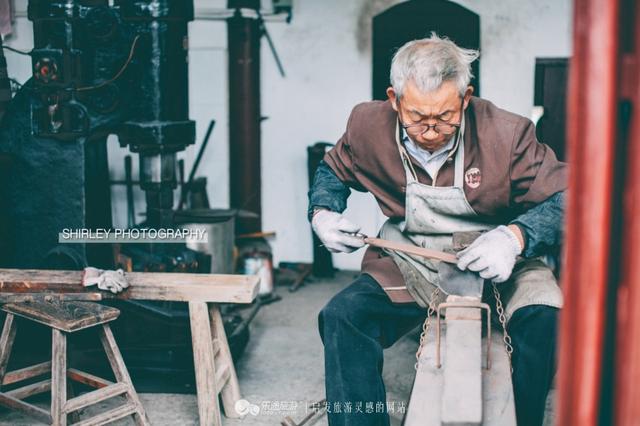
[
  {"x": 65, "y": 316},
  {"x": 498, "y": 408},
  {"x": 204, "y": 365},
  {"x": 462, "y": 371},
  {"x": 178, "y": 287}
]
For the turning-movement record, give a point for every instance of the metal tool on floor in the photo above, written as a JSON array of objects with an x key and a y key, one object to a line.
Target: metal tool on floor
[{"x": 318, "y": 410}]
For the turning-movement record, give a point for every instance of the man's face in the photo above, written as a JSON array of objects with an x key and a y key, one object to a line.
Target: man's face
[{"x": 441, "y": 105}]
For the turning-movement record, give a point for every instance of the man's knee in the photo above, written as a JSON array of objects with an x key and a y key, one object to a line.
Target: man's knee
[
  {"x": 535, "y": 317},
  {"x": 345, "y": 308},
  {"x": 333, "y": 315},
  {"x": 533, "y": 333}
]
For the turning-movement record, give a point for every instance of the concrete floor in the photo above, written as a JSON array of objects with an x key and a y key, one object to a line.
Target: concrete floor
[{"x": 282, "y": 368}]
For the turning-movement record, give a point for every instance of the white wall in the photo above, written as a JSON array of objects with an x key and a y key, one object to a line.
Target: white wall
[
  {"x": 327, "y": 59},
  {"x": 328, "y": 74}
]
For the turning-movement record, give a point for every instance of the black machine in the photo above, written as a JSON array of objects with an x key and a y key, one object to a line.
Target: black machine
[
  {"x": 120, "y": 70},
  {"x": 97, "y": 70},
  {"x": 120, "y": 67},
  {"x": 103, "y": 68}
]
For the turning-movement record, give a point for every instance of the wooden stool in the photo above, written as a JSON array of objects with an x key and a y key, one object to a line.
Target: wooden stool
[{"x": 65, "y": 318}]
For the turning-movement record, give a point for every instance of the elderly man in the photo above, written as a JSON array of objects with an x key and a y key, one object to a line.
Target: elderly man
[{"x": 440, "y": 163}]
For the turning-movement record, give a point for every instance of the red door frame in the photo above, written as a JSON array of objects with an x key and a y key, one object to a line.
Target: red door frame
[
  {"x": 591, "y": 130},
  {"x": 627, "y": 389},
  {"x": 601, "y": 76}
]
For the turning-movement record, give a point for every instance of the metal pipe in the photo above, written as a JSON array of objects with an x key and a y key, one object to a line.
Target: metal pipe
[
  {"x": 244, "y": 113},
  {"x": 131, "y": 208},
  {"x": 186, "y": 188}
]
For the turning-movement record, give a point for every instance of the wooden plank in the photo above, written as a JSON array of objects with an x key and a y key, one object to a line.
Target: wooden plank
[
  {"x": 58, "y": 377},
  {"x": 180, "y": 287},
  {"x": 65, "y": 316},
  {"x": 29, "y": 409},
  {"x": 87, "y": 379},
  {"x": 462, "y": 373},
  {"x": 204, "y": 363},
  {"x": 229, "y": 388},
  {"x": 109, "y": 416},
  {"x": 95, "y": 396},
  {"x": 6, "y": 343},
  {"x": 27, "y": 373},
  {"x": 29, "y": 390},
  {"x": 122, "y": 375},
  {"x": 48, "y": 297},
  {"x": 424, "y": 406}
]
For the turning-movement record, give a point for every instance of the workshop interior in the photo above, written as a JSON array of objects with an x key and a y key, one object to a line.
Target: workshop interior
[{"x": 211, "y": 117}]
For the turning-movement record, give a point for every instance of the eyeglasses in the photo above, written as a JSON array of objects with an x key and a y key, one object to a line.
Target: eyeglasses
[{"x": 441, "y": 127}]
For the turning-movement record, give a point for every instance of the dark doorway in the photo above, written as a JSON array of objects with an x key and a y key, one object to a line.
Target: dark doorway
[
  {"x": 551, "y": 94},
  {"x": 416, "y": 19}
]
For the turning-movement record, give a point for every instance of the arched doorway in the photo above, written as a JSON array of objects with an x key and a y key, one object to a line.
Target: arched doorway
[{"x": 415, "y": 19}]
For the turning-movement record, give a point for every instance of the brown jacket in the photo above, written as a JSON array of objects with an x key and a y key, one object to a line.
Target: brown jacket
[{"x": 513, "y": 171}]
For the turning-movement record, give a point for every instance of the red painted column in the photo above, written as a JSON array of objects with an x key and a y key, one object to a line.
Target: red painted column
[
  {"x": 627, "y": 391},
  {"x": 591, "y": 140}
]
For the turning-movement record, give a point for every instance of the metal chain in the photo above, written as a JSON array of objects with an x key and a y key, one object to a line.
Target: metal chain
[
  {"x": 503, "y": 322},
  {"x": 426, "y": 325}
]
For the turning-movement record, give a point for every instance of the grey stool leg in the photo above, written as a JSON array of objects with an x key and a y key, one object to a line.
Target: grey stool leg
[
  {"x": 58, "y": 377},
  {"x": 6, "y": 344},
  {"x": 121, "y": 373}
]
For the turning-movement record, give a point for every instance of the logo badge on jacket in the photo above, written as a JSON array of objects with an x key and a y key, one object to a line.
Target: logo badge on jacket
[{"x": 473, "y": 177}]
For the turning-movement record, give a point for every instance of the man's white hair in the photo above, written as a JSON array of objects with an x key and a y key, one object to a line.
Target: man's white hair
[{"x": 429, "y": 62}]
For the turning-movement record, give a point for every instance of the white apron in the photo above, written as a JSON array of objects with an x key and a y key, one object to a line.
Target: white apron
[{"x": 433, "y": 215}]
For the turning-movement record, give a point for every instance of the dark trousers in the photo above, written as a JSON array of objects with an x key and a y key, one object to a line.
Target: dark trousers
[{"x": 360, "y": 321}]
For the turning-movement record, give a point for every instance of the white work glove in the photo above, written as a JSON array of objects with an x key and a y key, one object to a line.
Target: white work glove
[
  {"x": 492, "y": 254},
  {"x": 333, "y": 229},
  {"x": 113, "y": 281}
]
